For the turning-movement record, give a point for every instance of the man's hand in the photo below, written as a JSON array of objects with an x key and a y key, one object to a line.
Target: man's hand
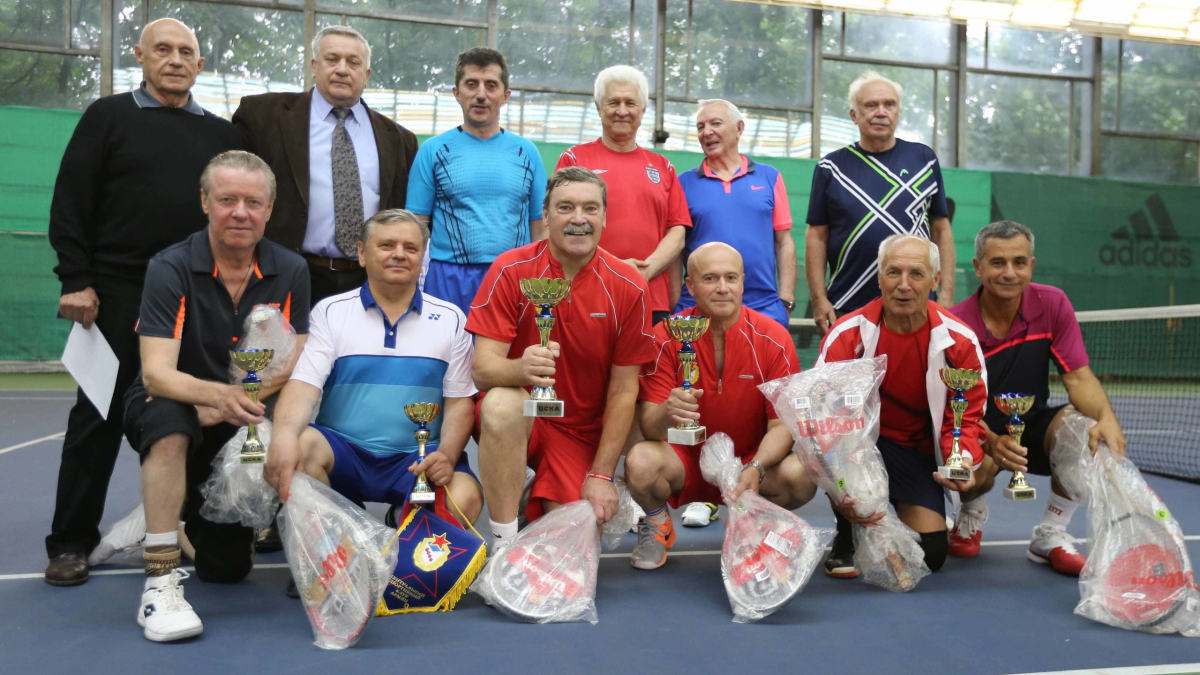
[
  {"x": 956, "y": 485},
  {"x": 236, "y": 408},
  {"x": 537, "y": 364},
  {"x": 747, "y": 481},
  {"x": 682, "y": 406},
  {"x": 1007, "y": 454},
  {"x": 846, "y": 508},
  {"x": 80, "y": 306},
  {"x": 603, "y": 496},
  {"x": 283, "y": 461},
  {"x": 824, "y": 314},
  {"x": 642, "y": 266},
  {"x": 437, "y": 468},
  {"x": 1110, "y": 432},
  {"x": 208, "y": 415}
]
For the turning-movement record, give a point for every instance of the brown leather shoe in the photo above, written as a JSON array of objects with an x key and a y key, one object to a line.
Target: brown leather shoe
[{"x": 68, "y": 569}]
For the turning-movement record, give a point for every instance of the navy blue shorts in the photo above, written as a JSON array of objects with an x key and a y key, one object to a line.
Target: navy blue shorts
[
  {"x": 454, "y": 283},
  {"x": 910, "y": 476},
  {"x": 362, "y": 476}
]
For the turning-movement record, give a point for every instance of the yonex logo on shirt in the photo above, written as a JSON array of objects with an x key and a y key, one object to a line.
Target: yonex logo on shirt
[{"x": 435, "y": 317}]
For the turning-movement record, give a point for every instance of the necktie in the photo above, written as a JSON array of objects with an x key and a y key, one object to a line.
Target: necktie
[{"x": 347, "y": 189}]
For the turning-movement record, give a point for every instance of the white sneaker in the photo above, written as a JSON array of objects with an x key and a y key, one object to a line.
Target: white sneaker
[
  {"x": 699, "y": 514},
  {"x": 1051, "y": 545},
  {"x": 164, "y": 614},
  {"x": 522, "y": 519},
  {"x": 123, "y": 536},
  {"x": 638, "y": 514}
]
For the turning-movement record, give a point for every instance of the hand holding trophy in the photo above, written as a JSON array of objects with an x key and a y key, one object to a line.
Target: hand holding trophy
[
  {"x": 1015, "y": 405},
  {"x": 545, "y": 293},
  {"x": 422, "y": 414},
  {"x": 960, "y": 380},
  {"x": 252, "y": 361},
  {"x": 686, "y": 330}
]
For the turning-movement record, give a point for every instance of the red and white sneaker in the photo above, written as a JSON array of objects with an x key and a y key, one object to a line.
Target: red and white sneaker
[
  {"x": 967, "y": 535},
  {"x": 1053, "y": 546}
]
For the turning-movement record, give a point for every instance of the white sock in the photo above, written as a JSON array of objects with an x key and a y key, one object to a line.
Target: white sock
[
  {"x": 502, "y": 531},
  {"x": 978, "y": 505},
  {"x": 162, "y": 539},
  {"x": 1058, "y": 511}
]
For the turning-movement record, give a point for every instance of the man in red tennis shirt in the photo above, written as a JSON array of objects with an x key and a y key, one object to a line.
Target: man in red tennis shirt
[
  {"x": 647, "y": 210},
  {"x": 919, "y": 338},
  {"x": 742, "y": 349},
  {"x": 601, "y": 338}
]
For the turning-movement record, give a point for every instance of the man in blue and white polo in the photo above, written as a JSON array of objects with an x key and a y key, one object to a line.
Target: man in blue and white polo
[{"x": 371, "y": 351}]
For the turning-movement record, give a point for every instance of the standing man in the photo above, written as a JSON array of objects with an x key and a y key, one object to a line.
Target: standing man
[
  {"x": 126, "y": 189},
  {"x": 862, "y": 194},
  {"x": 733, "y": 200},
  {"x": 336, "y": 160},
  {"x": 478, "y": 186},
  {"x": 600, "y": 339},
  {"x": 647, "y": 211}
]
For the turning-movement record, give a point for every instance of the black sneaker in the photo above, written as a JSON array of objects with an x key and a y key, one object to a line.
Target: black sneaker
[
  {"x": 291, "y": 591},
  {"x": 268, "y": 540},
  {"x": 840, "y": 563}
]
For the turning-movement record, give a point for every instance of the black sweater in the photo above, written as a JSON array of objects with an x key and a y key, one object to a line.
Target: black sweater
[{"x": 129, "y": 186}]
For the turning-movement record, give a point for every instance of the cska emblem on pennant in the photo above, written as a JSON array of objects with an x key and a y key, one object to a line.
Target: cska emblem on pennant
[
  {"x": 653, "y": 175},
  {"x": 431, "y": 553}
]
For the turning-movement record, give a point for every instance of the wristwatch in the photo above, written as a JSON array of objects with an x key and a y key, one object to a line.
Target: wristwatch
[
  {"x": 789, "y": 305},
  {"x": 762, "y": 473}
]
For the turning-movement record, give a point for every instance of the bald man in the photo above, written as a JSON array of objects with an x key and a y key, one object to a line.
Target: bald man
[
  {"x": 742, "y": 349},
  {"x": 126, "y": 190}
]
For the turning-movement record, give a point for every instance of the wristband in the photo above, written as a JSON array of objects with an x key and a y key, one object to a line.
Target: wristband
[{"x": 593, "y": 474}]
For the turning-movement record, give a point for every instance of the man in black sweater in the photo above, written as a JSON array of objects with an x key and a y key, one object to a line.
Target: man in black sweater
[{"x": 126, "y": 189}]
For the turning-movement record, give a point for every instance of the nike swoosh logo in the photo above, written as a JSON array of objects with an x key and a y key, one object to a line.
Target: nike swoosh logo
[
  {"x": 599, "y": 170},
  {"x": 758, "y": 187}
]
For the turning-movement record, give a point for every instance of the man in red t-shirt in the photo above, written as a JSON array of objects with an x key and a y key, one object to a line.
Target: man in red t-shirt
[
  {"x": 647, "y": 210},
  {"x": 741, "y": 349},
  {"x": 601, "y": 338}
]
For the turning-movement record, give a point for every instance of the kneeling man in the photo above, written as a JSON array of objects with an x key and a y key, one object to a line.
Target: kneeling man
[
  {"x": 370, "y": 352},
  {"x": 600, "y": 339},
  {"x": 741, "y": 349}
]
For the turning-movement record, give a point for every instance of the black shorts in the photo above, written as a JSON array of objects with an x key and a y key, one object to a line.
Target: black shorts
[
  {"x": 1037, "y": 423},
  {"x": 224, "y": 551},
  {"x": 910, "y": 476}
]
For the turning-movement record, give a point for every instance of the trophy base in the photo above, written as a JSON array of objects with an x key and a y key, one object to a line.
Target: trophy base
[
  {"x": 253, "y": 458},
  {"x": 544, "y": 408},
  {"x": 955, "y": 472},
  {"x": 687, "y": 436},
  {"x": 1020, "y": 494},
  {"x": 421, "y": 497}
]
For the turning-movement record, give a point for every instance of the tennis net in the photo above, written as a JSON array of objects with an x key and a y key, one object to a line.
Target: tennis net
[{"x": 1148, "y": 360}]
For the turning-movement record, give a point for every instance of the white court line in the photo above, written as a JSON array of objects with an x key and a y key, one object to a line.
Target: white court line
[
  {"x": 1175, "y": 669},
  {"x": 37, "y": 398},
  {"x": 674, "y": 554},
  {"x": 35, "y": 441}
]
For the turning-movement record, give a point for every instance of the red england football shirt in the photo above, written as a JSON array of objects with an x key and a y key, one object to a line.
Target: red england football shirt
[
  {"x": 904, "y": 410},
  {"x": 757, "y": 349},
  {"x": 604, "y": 321},
  {"x": 644, "y": 199}
]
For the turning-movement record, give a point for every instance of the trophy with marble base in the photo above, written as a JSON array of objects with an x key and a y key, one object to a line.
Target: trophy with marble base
[
  {"x": 1015, "y": 405},
  {"x": 960, "y": 380},
  {"x": 546, "y": 294},
  {"x": 686, "y": 330},
  {"x": 252, "y": 361}
]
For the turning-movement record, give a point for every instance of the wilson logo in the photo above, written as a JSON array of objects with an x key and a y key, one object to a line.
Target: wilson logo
[{"x": 830, "y": 426}]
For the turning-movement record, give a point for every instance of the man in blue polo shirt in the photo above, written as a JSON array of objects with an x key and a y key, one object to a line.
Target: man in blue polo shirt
[
  {"x": 371, "y": 351},
  {"x": 478, "y": 186},
  {"x": 735, "y": 201}
]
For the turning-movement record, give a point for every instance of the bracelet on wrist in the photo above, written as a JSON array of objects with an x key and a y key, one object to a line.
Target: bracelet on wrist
[{"x": 593, "y": 474}]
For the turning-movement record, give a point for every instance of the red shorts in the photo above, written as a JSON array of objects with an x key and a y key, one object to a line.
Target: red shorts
[{"x": 695, "y": 488}]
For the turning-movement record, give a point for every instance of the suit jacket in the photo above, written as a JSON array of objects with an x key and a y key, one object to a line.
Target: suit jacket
[{"x": 275, "y": 127}]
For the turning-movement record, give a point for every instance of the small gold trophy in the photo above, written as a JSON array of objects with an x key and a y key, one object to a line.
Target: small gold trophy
[
  {"x": 960, "y": 380},
  {"x": 686, "y": 330},
  {"x": 422, "y": 414},
  {"x": 545, "y": 293},
  {"x": 252, "y": 361},
  {"x": 1015, "y": 405}
]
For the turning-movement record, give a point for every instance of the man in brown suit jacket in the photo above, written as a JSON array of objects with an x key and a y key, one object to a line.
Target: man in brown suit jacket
[{"x": 313, "y": 141}]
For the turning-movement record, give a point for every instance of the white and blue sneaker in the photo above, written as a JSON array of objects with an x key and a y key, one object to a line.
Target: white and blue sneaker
[{"x": 164, "y": 614}]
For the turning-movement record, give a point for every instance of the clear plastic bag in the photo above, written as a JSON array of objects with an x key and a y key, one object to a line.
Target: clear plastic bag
[
  {"x": 1138, "y": 575},
  {"x": 266, "y": 328},
  {"x": 769, "y": 552},
  {"x": 237, "y": 492},
  {"x": 548, "y": 573},
  {"x": 341, "y": 559},
  {"x": 1071, "y": 456},
  {"x": 833, "y": 414}
]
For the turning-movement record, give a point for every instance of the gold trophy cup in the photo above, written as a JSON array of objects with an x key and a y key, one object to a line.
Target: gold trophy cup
[
  {"x": 1015, "y": 405},
  {"x": 686, "y": 330},
  {"x": 252, "y": 361},
  {"x": 960, "y": 380},
  {"x": 422, "y": 414},
  {"x": 545, "y": 293}
]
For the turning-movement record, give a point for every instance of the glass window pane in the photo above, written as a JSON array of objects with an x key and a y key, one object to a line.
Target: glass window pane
[
  {"x": 465, "y": 10},
  {"x": 85, "y": 28},
  {"x": 41, "y": 22},
  {"x": 897, "y": 39},
  {"x": 1148, "y": 160},
  {"x": 947, "y": 117},
  {"x": 831, "y": 32},
  {"x": 916, "y": 110},
  {"x": 411, "y": 56},
  {"x": 48, "y": 80},
  {"x": 560, "y": 44},
  {"x": 1108, "y": 84},
  {"x": 1039, "y": 52},
  {"x": 976, "y": 43},
  {"x": 1083, "y": 129},
  {"x": 556, "y": 118},
  {"x": 1017, "y": 124},
  {"x": 1158, "y": 88}
]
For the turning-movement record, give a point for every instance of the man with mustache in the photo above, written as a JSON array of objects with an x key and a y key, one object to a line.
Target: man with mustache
[
  {"x": 861, "y": 194},
  {"x": 601, "y": 338},
  {"x": 478, "y": 186}
]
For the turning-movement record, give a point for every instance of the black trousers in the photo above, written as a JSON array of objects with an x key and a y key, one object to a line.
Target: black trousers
[
  {"x": 325, "y": 282},
  {"x": 91, "y": 443}
]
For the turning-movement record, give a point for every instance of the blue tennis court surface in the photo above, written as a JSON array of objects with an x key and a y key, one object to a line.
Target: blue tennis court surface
[{"x": 997, "y": 613}]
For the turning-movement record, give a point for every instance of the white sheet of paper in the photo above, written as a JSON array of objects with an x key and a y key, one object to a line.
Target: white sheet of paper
[{"x": 93, "y": 364}]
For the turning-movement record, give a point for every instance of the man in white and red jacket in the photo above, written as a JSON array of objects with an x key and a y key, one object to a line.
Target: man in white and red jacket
[{"x": 919, "y": 338}]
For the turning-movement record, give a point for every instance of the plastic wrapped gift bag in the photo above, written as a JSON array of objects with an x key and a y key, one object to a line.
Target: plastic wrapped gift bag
[
  {"x": 769, "y": 552},
  {"x": 267, "y": 327},
  {"x": 236, "y": 492}
]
